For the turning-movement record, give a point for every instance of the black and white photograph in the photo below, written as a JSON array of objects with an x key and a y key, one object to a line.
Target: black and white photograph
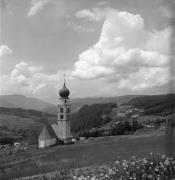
[{"x": 87, "y": 89}]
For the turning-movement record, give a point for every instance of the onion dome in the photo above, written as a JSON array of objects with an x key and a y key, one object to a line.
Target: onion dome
[{"x": 64, "y": 92}]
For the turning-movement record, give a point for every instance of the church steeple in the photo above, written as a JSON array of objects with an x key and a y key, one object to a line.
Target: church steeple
[
  {"x": 64, "y": 92},
  {"x": 63, "y": 115}
]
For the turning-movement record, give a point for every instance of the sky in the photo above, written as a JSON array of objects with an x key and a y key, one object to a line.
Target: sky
[{"x": 104, "y": 48}]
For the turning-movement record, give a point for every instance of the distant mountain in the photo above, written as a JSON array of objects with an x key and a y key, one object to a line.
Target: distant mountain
[
  {"x": 20, "y": 101},
  {"x": 155, "y": 103}
]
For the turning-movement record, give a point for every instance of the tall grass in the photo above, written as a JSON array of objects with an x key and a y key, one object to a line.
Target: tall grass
[{"x": 152, "y": 167}]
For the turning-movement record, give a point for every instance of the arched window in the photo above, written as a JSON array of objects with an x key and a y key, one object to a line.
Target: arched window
[
  {"x": 68, "y": 110},
  {"x": 61, "y": 110}
]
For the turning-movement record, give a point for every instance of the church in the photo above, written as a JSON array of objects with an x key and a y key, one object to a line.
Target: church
[{"x": 58, "y": 130}]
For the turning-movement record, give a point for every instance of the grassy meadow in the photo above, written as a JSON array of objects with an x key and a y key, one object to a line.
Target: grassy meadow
[{"x": 87, "y": 153}]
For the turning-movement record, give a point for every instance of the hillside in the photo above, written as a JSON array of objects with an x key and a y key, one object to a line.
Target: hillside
[
  {"x": 77, "y": 103},
  {"x": 87, "y": 117},
  {"x": 21, "y": 122},
  {"x": 155, "y": 104},
  {"x": 101, "y": 150},
  {"x": 20, "y": 101},
  {"x": 90, "y": 116}
]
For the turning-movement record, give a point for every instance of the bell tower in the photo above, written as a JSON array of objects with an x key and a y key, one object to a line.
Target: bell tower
[{"x": 63, "y": 116}]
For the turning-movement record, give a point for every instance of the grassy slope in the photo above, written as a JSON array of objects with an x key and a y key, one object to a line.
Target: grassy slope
[
  {"x": 17, "y": 118},
  {"x": 16, "y": 122},
  {"x": 78, "y": 155}
]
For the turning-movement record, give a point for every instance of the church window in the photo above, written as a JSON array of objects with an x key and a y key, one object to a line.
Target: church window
[
  {"x": 61, "y": 116},
  {"x": 64, "y": 101},
  {"x": 61, "y": 110}
]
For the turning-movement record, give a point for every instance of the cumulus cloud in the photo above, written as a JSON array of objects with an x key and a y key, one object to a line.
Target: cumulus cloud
[
  {"x": 37, "y": 5},
  {"x": 95, "y": 15},
  {"x": 5, "y": 50},
  {"x": 29, "y": 80},
  {"x": 102, "y": 3},
  {"x": 79, "y": 28},
  {"x": 160, "y": 41},
  {"x": 127, "y": 54}
]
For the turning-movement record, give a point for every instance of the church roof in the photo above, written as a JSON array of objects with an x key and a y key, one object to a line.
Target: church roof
[
  {"x": 47, "y": 132},
  {"x": 51, "y": 121}
]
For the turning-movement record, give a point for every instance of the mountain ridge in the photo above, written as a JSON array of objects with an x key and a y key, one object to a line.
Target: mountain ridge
[{"x": 21, "y": 101}]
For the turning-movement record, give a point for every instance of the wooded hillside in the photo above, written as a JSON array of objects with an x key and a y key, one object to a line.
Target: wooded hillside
[{"x": 155, "y": 104}]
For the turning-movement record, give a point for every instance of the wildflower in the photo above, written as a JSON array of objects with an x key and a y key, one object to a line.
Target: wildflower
[
  {"x": 93, "y": 178},
  {"x": 133, "y": 158},
  {"x": 117, "y": 162},
  {"x": 144, "y": 175},
  {"x": 150, "y": 176},
  {"x": 110, "y": 171},
  {"x": 145, "y": 161},
  {"x": 163, "y": 156},
  {"x": 167, "y": 162},
  {"x": 125, "y": 164},
  {"x": 156, "y": 169},
  {"x": 106, "y": 176},
  {"x": 137, "y": 167},
  {"x": 158, "y": 177}
]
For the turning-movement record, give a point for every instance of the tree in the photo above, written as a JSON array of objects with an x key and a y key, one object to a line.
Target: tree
[{"x": 127, "y": 126}]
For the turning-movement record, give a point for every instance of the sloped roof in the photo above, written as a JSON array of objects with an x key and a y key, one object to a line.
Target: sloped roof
[
  {"x": 51, "y": 120},
  {"x": 47, "y": 132}
]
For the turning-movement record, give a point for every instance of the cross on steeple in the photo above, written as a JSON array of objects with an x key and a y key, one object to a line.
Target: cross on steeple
[{"x": 64, "y": 78}]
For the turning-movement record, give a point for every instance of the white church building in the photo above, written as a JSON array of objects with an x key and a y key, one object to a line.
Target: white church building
[{"x": 58, "y": 130}]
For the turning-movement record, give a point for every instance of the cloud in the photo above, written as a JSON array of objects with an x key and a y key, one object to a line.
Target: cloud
[
  {"x": 6, "y": 4},
  {"x": 79, "y": 28},
  {"x": 29, "y": 80},
  {"x": 5, "y": 50},
  {"x": 95, "y": 15},
  {"x": 102, "y": 3},
  {"x": 37, "y": 5},
  {"x": 127, "y": 55},
  {"x": 165, "y": 11},
  {"x": 160, "y": 41}
]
